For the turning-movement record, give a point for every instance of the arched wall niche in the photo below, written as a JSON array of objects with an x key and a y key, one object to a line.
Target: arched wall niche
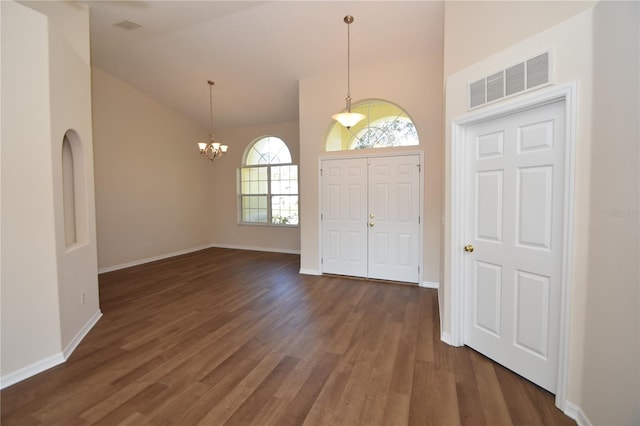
[{"x": 74, "y": 193}]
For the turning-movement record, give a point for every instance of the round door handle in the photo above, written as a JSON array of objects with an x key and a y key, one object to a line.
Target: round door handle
[
  {"x": 468, "y": 248},
  {"x": 371, "y": 224}
]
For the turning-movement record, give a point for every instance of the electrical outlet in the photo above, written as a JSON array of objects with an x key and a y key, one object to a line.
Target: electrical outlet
[{"x": 82, "y": 298}]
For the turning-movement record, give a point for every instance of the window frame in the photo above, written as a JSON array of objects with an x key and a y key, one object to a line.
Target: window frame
[
  {"x": 269, "y": 195},
  {"x": 340, "y": 139}
]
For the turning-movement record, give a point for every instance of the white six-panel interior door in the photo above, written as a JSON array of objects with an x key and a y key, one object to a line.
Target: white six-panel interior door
[
  {"x": 513, "y": 240},
  {"x": 370, "y": 215}
]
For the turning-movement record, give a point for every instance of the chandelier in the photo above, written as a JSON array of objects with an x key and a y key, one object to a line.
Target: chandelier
[
  {"x": 211, "y": 150},
  {"x": 348, "y": 118}
]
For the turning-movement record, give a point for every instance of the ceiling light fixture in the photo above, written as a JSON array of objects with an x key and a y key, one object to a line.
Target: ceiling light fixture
[
  {"x": 212, "y": 150},
  {"x": 348, "y": 118},
  {"x": 127, "y": 25}
]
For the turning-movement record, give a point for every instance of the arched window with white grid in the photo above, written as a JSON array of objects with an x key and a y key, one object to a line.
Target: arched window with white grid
[{"x": 268, "y": 184}]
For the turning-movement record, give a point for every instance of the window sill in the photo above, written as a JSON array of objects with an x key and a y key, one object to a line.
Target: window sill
[{"x": 268, "y": 225}]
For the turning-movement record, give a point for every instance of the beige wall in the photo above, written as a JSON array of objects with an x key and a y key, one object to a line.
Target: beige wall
[
  {"x": 70, "y": 89},
  {"x": 603, "y": 341},
  {"x": 474, "y": 30},
  {"x": 416, "y": 86},
  {"x": 227, "y": 232},
  {"x": 70, "y": 21},
  {"x": 155, "y": 195},
  {"x": 154, "y": 192},
  {"x": 611, "y": 377},
  {"x": 45, "y": 93}
]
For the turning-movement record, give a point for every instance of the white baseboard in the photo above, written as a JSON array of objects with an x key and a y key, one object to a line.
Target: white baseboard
[
  {"x": 151, "y": 259},
  {"x": 73, "y": 344},
  {"x": 429, "y": 284},
  {"x": 446, "y": 338},
  {"x": 576, "y": 413},
  {"x": 267, "y": 249},
  {"x": 49, "y": 362},
  {"x": 305, "y": 271},
  {"x": 191, "y": 250},
  {"x": 31, "y": 370}
]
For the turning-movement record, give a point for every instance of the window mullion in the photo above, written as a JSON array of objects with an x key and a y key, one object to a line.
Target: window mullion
[{"x": 269, "y": 215}]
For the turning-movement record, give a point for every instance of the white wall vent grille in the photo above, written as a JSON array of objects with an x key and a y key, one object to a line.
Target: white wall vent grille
[{"x": 531, "y": 74}]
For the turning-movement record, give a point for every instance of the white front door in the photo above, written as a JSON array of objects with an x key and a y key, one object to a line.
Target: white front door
[
  {"x": 394, "y": 218},
  {"x": 344, "y": 205},
  {"x": 513, "y": 215},
  {"x": 370, "y": 217}
]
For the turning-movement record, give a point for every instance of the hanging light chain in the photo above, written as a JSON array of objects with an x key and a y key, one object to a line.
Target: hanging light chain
[
  {"x": 348, "y": 20},
  {"x": 211, "y": 83},
  {"x": 348, "y": 118}
]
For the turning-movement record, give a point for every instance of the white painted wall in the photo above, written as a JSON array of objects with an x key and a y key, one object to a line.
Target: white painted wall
[
  {"x": 416, "y": 86},
  {"x": 46, "y": 92},
  {"x": 611, "y": 354},
  {"x": 30, "y": 309},
  {"x": 588, "y": 49}
]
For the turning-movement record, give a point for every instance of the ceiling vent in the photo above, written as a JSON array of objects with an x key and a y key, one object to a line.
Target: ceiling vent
[{"x": 531, "y": 74}]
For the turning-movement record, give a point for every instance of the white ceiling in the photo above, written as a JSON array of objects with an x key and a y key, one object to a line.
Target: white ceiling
[{"x": 255, "y": 51}]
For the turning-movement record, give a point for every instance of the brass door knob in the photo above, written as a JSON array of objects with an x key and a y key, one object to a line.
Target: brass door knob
[
  {"x": 371, "y": 224},
  {"x": 468, "y": 248}
]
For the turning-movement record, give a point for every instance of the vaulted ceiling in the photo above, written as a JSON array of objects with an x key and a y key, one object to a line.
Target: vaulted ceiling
[{"x": 255, "y": 51}]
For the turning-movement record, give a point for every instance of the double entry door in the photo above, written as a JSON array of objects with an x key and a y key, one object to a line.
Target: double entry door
[{"x": 370, "y": 217}]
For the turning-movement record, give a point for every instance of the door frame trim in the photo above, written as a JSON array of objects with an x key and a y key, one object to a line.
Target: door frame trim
[
  {"x": 566, "y": 93},
  {"x": 350, "y": 155}
]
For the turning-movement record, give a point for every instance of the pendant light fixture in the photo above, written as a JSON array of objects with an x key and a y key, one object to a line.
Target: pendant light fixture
[
  {"x": 212, "y": 150},
  {"x": 348, "y": 118}
]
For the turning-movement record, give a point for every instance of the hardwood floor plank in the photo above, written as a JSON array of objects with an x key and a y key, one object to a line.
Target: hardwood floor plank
[
  {"x": 307, "y": 395},
  {"x": 270, "y": 412},
  {"x": 111, "y": 401},
  {"x": 244, "y": 358},
  {"x": 428, "y": 333},
  {"x": 224, "y": 384},
  {"x": 169, "y": 411},
  {"x": 236, "y": 337},
  {"x": 516, "y": 399},
  {"x": 434, "y": 399},
  {"x": 493, "y": 402},
  {"x": 135, "y": 419},
  {"x": 70, "y": 407},
  {"x": 372, "y": 412},
  {"x": 469, "y": 401},
  {"x": 396, "y": 410},
  {"x": 330, "y": 396},
  {"x": 522, "y": 398},
  {"x": 236, "y": 397},
  {"x": 262, "y": 394},
  {"x": 387, "y": 349},
  {"x": 145, "y": 401}
]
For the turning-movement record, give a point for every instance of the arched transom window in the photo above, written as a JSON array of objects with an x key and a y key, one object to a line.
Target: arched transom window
[
  {"x": 268, "y": 184},
  {"x": 385, "y": 125}
]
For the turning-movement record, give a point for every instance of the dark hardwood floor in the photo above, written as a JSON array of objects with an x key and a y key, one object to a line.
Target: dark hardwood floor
[{"x": 239, "y": 337}]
